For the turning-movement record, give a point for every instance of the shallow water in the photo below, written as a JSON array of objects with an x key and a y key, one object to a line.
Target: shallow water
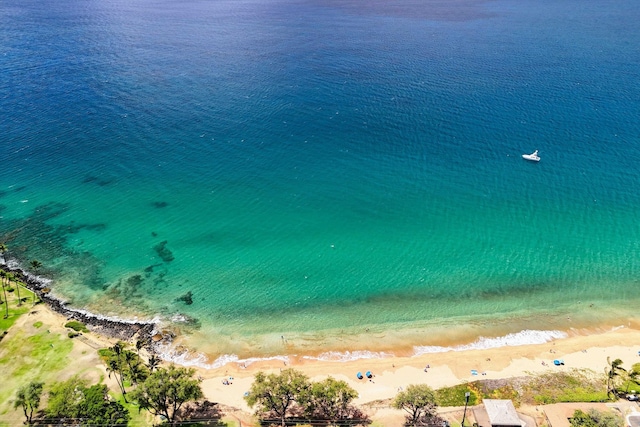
[{"x": 318, "y": 169}]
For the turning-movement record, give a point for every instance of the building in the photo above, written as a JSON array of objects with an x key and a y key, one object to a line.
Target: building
[{"x": 497, "y": 413}]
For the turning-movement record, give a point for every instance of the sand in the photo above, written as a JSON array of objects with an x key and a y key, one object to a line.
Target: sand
[
  {"x": 579, "y": 350},
  {"x": 582, "y": 349}
]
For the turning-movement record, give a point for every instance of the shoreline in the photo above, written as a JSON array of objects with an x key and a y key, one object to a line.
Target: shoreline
[
  {"x": 122, "y": 329},
  {"x": 169, "y": 346},
  {"x": 579, "y": 348}
]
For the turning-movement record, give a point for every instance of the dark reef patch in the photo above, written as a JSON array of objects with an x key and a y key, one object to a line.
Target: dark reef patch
[
  {"x": 186, "y": 298},
  {"x": 159, "y": 205},
  {"x": 128, "y": 289},
  {"x": 164, "y": 252},
  {"x": 148, "y": 270},
  {"x": 100, "y": 182}
]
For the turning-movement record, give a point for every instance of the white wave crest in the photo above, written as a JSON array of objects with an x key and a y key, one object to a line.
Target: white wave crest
[
  {"x": 525, "y": 337},
  {"x": 347, "y": 356},
  {"x": 181, "y": 356}
]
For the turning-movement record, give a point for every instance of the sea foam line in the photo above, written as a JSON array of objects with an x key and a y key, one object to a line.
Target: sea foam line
[
  {"x": 525, "y": 337},
  {"x": 181, "y": 356},
  {"x": 348, "y": 356}
]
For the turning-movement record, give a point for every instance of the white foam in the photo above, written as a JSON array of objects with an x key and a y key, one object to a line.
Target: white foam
[
  {"x": 525, "y": 337},
  {"x": 347, "y": 356},
  {"x": 181, "y": 356}
]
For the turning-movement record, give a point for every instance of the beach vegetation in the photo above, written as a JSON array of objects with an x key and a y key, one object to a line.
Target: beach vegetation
[
  {"x": 166, "y": 390},
  {"x": 615, "y": 373},
  {"x": 74, "y": 402},
  {"x": 632, "y": 379},
  {"x": 455, "y": 396},
  {"x": 97, "y": 408},
  {"x": 153, "y": 362},
  {"x": 76, "y": 326},
  {"x": 64, "y": 397},
  {"x": 419, "y": 402},
  {"x": 3, "y": 276},
  {"x": 12, "y": 314},
  {"x": 330, "y": 400},
  {"x": 277, "y": 395},
  {"x": 576, "y": 385},
  {"x": 595, "y": 418},
  {"x": 114, "y": 366},
  {"x": 126, "y": 365},
  {"x": 28, "y": 398},
  {"x": 289, "y": 397},
  {"x": 35, "y": 265}
]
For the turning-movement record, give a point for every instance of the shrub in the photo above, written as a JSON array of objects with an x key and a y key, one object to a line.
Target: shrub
[
  {"x": 76, "y": 326},
  {"x": 454, "y": 396},
  {"x": 73, "y": 334}
]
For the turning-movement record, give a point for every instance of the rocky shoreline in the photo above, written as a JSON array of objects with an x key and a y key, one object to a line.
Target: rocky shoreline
[{"x": 125, "y": 330}]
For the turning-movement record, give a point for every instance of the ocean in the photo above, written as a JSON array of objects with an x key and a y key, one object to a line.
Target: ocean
[{"x": 307, "y": 176}]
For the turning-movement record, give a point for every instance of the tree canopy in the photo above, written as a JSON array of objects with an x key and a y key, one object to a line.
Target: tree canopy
[
  {"x": 76, "y": 404},
  {"x": 419, "y": 401},
  {"x": 594, "y": 418},
  {"x": 96, "y": 408},
  {"x": 277, "y": 393},
  {"x": 64, "y": 398},
  {"x": 329, "y": 399},
  {"x": 28, "y": 397},
  {"x": 613, "y": 371},
  {"x": 165, "y": 391}
]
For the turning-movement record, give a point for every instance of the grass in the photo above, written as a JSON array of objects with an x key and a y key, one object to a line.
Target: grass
[
  {"x": 28, "y": 353},
  {"x": 76, "y": 326},
  {"x": 455, "y": 396},
  {"x": 138, "y": 418},
  {"x": 577, "y": 385},
  {"x": 15, "y": 311}
]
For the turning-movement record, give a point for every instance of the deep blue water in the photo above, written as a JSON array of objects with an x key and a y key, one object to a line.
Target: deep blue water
[{"x": 301, "y": 166}]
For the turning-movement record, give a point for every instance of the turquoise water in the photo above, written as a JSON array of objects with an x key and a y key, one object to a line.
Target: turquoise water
[{"x": 307, "y": 167}]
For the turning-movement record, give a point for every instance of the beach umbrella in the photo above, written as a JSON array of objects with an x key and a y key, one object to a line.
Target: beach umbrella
[
  {"x": 369, "y": 374},
  {"x": 359, "y": 375}
]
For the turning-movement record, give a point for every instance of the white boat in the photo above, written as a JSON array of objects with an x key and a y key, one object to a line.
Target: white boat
[{"x": 533, "y": 156}]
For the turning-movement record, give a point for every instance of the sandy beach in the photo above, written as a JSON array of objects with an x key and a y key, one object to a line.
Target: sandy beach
[
  {"x": 581, "y": 349},
  {"x": 588, "y": 351}
]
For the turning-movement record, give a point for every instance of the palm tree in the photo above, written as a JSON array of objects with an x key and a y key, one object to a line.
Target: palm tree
[
  {"x": 3, "y": 275},
  {"x": 131, "y": 359},
  {"x": 15, "y": 281},
  {"x": 112, "y": 366},
  {"x": 116, "y": 365},
  {"x": 138, "y": 372},
  {"x": 153, "y": 362},
  {"x": 35, "y": 266},
  {"x": 139, "y": 345},
  {"x": 613, "y": 370},
  {"x": 3, "y": 250}
]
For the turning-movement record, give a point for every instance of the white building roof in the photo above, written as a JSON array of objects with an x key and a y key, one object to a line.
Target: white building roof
[{"x": 502, "y": 413}]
